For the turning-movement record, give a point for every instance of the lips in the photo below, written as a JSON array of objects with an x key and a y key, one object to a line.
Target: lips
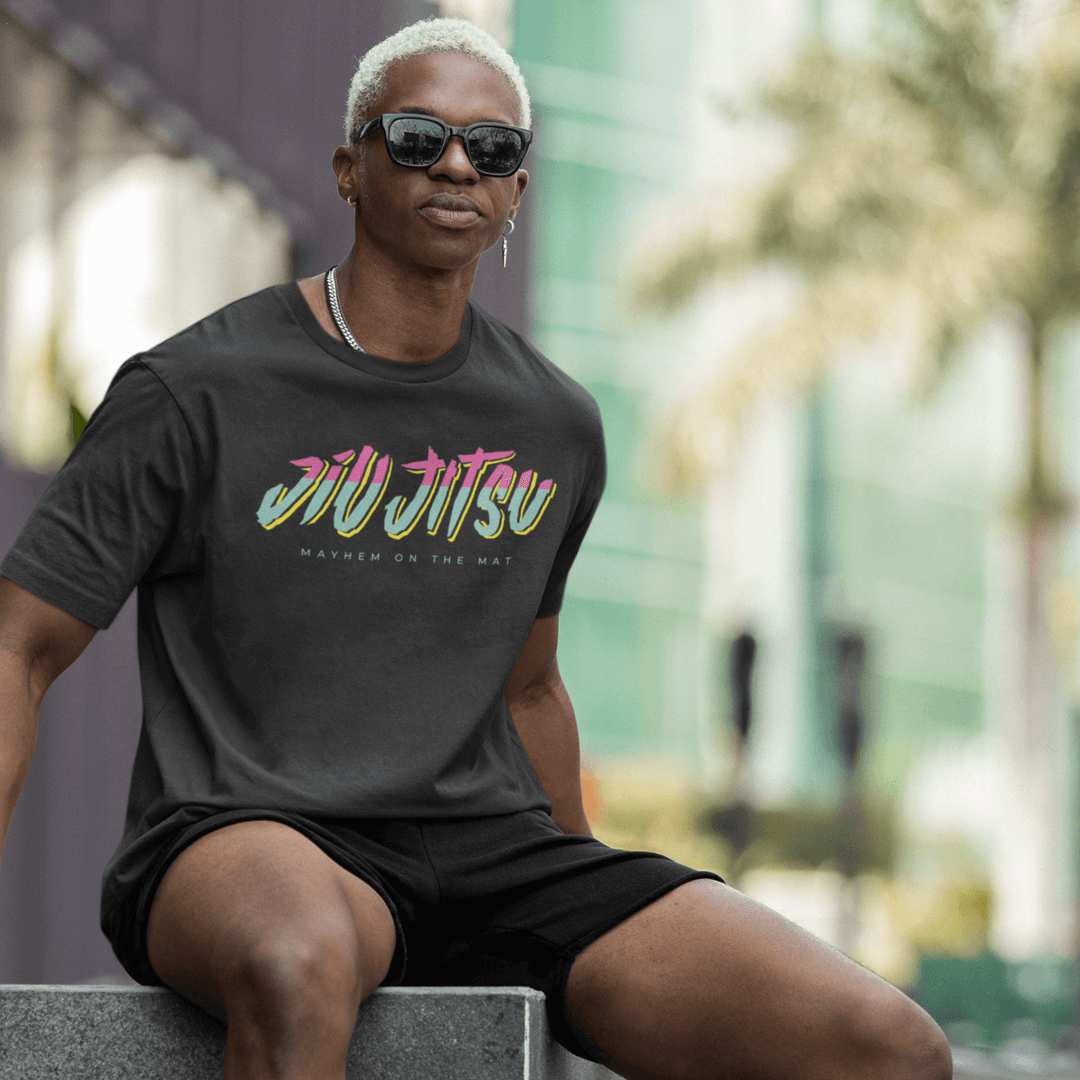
[{"x": 450, "y": 210}]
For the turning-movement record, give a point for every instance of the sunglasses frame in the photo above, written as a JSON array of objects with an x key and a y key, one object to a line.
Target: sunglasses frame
[{"x": 386, "y": 119}]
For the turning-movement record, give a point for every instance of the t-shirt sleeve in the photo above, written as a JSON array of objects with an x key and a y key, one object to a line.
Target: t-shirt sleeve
[
  {"x": 551, "y": 604},
  {"x": 120, "y": 510}
]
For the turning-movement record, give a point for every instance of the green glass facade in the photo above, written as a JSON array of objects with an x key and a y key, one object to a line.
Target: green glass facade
[
  {"x": 893, "y": 522},
  {"x": 632, "y": 646},
  {"x": 895, "y": 548}
]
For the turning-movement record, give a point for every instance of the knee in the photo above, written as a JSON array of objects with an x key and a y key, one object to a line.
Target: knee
[
  {"x": 289, "y": 976},
  {"x": 900, "y": 1040}
]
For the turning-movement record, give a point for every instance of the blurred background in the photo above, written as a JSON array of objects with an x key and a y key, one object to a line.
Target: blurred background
[{"x": 819, "y": 263}]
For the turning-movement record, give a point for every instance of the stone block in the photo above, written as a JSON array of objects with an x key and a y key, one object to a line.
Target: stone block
[{"x": 402, "y": 1033}]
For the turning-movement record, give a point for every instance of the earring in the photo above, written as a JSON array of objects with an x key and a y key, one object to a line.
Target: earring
[
  {"x": 351, "y": 200},
  {"x": 506, "y": 233}
]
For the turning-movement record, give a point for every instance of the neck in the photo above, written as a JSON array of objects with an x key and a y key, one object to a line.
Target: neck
[{"x": 408, "y": 314}]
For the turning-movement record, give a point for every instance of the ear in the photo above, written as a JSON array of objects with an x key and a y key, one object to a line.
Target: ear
[
  {"x": 522, "y": 178},
  {"x": 347, "y": 171}
]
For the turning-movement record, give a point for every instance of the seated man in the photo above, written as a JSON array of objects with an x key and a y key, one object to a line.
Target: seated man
[{"x": 349, "y": 505}]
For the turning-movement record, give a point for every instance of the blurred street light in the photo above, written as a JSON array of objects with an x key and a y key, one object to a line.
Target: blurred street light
[
  {"x": 735, "y": 821},
  {"x": 740, "y": 669},
  {"x": 850, "y": 662},
  {"x": 853, "y": 824}
]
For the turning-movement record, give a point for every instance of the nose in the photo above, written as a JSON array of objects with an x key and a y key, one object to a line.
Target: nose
[{"x": 454, "y": 163}]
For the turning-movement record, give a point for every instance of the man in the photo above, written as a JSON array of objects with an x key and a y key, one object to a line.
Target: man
[{"x": 349, "y": 505}]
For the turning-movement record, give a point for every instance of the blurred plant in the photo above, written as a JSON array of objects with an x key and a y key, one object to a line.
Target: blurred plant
[
  {"x": 933, "y": 184},
  {"x": 809, "y": 837},
  {"x": 645, "y": 805},
  {"x": 951, "y": 917}
]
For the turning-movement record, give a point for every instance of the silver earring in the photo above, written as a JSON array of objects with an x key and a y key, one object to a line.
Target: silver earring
[
  {"x": 506, "y": 233},
  {"x": 351, "y": 200}
]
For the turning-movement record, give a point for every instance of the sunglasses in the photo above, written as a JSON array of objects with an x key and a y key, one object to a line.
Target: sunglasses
[{"x": 417, "y": 142}]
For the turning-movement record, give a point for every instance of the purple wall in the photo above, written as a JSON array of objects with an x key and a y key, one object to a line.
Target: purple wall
[{"x": 71, "y": 813}]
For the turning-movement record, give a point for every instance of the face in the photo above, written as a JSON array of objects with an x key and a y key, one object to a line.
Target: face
[{"x": 445, "y": 216}]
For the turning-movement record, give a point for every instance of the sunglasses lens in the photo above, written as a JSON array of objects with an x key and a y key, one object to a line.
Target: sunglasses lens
[
  {"x": 495, "y": 150},
  {"x": 418, "y": 143},
  {"x": 414, "y": 141}
]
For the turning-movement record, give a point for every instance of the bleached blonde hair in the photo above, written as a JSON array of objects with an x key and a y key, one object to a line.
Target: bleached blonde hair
[{"x": 429, "y": 36}]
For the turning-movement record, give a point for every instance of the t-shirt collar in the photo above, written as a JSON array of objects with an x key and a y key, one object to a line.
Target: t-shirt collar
[{"x": 378, "y": 366}]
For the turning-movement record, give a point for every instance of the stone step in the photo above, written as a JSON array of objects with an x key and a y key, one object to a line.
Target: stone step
[{"x": 402, "y": 1033}]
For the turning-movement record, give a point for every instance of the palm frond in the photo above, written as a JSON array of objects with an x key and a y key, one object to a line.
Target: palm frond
[
  {"x": 930, "y": 186},
  {"x": 710, "y": 236}
]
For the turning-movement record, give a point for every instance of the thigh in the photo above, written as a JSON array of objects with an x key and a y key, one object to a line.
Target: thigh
[
  {"x": 257, "y": 900},
  {"x": 521, "y": 899},
  {"x": 706, "y": 982}
]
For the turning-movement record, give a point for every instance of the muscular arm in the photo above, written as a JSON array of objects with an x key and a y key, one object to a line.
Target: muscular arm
[
  {"x": 545, "y": 721},
  {"x": 37, "y": 641}
]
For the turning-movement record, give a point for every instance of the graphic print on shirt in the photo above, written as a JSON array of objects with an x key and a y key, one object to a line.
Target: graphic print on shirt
[{"x": 354, "y": 485}]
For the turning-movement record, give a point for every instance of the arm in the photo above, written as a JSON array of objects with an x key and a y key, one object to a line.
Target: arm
[
  {"x": 545, "y": 722},
  {"x": 37, "y": 641}
]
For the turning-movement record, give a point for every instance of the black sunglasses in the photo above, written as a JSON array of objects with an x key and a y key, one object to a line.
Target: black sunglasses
[{"x": 418, "y": 141}]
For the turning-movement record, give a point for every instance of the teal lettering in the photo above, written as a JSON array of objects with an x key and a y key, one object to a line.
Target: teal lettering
[
  {"x": 353, "y": 509},
  {"x": 399, "y": 518},
  {"x": 279, "y": 502},
  {"x": 528, "y": 505},
  {"x": 496, "y": 489}
]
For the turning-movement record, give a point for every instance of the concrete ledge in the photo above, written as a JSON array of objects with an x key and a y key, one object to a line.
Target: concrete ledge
[{"x": 402, "y": 1033}]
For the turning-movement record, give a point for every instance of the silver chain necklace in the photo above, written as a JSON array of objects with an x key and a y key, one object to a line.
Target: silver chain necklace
[{"x": 339, "y": 319}]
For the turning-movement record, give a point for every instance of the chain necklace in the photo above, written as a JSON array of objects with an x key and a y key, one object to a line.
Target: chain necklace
[{"x": 339, "y": 319}]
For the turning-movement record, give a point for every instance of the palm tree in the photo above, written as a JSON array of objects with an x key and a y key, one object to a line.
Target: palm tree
[{"x": 934, "y": 184}]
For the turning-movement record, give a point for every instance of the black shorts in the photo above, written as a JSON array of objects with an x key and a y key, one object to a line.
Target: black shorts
[{"x": 500, "y": 901}]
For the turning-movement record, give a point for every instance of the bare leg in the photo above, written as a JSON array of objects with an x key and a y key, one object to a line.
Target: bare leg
[
  {"x": 263, "y": 930},
  {"x": 707, "y": 983}
]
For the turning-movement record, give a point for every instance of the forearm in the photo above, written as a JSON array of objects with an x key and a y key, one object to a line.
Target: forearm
[
  {"x": 37, "y": 641},
  {"x": 545, "y": 721},
  {"x": 19, "y": 704}
]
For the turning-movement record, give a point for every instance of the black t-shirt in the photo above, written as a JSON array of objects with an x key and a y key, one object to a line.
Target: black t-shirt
[{"x": 338, "y": 558}]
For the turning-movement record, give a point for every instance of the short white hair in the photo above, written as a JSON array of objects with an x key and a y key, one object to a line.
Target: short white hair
[{"x": 429, "y": 36}]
